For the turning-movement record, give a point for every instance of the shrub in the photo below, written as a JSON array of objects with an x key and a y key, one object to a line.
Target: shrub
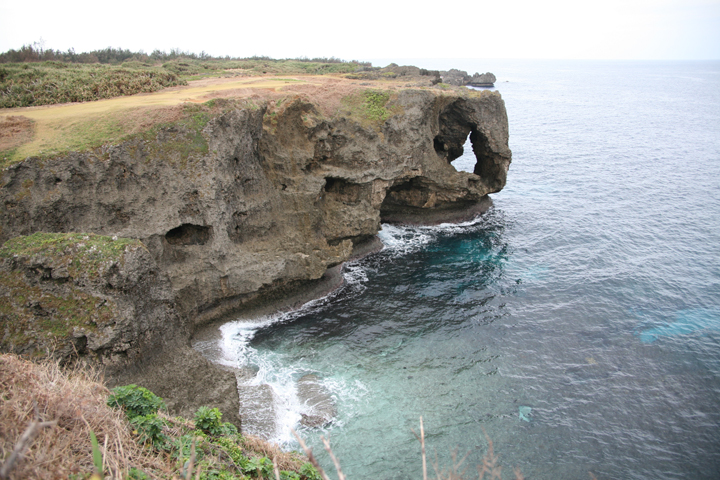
[
  {"x": 208, "y": 420},
  {"x": 308, "y": 471},
  {"x": 135, "y": 401},
  {"x": 260, "y": 467},
  {"x": 149, "y": 429}
]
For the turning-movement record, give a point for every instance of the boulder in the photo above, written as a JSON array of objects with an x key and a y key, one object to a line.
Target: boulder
[{"x": 317, "y": 401}]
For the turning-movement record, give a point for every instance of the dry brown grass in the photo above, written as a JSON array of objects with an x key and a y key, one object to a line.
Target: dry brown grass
[
  {"x": 15, "y": 130},
  {"x": 76, "y": 400},
  {"x": 283, "y": 460}
]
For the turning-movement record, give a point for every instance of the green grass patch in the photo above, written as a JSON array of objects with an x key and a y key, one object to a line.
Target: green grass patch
[
  {"x": 46, "y": 83},
  {"x": 84, "y": 253},
  {"x": 369, "y": 107},
  {"x": 182, "y": 141}
]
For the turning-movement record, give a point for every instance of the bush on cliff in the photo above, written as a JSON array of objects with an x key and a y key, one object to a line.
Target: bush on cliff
[{"x": 135, "y": 401}]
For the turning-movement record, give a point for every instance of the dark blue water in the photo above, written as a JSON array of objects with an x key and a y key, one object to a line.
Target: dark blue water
[{"x": 588, "y": 298}]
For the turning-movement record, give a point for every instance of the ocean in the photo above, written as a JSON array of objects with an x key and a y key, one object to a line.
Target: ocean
[{"x": 575, "y": 325}]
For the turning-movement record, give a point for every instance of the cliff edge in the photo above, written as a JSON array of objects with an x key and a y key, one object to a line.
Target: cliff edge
[{"x": 244, "y": 203}]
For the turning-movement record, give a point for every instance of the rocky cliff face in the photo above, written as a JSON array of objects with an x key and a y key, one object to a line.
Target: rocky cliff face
[
  {"x": 273, "y": 196},
  {"x": 103, "y": 300},
  {"x": 263, "y": 200}
]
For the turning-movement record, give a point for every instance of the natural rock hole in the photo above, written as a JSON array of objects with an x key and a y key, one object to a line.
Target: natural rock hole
[
  {"x": 454, "y": 133},
  {"x": 189, "y": 234},
  {"x": 341, "y": 190}
]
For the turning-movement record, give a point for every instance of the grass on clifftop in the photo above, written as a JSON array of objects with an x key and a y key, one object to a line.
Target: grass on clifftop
[
  {"x": 369, "y": 107},
  {"x": 79, "y": 133}
]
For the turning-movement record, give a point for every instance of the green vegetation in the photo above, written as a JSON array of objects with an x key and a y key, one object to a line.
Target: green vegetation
[
  {"x": 374, "y": 104},
  {"x": 31, "y": 314},
  {"x": 212, "y": 448},
  {"x": 33, "y": 76},
  {"x": 208, "y": 421},
  {"x": 135, "y": 401},
  {"x": 369, "y": 107},
  {"x": 31, "y": 84},
  {"x": 82, "y": 254}
]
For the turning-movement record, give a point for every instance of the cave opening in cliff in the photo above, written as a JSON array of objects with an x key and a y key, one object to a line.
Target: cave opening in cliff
[
  {"x": 189, "y": 234},
  {"x": 342, "y": 190}
]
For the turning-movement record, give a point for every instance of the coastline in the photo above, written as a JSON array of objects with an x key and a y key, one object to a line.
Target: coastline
[{"x": 208, "y": 339}]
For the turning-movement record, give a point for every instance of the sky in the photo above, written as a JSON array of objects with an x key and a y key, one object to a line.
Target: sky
[{"x": 375, "y": 29}]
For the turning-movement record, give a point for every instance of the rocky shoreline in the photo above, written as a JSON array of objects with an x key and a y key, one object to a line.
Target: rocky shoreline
[{"x": 253, "y": 210}]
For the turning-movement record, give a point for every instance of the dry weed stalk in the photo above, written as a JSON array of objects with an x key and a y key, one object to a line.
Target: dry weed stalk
[
  {"x": 275, "y": 469},
  {"x": 421, "y": 438},
  {"x": 454, "y": 472},
  {"x": 311, "y": 457},
  {"x": 341, "y": 476},
  {"x": 492, "y": 466},
  {"x": 22, "y": 445}
]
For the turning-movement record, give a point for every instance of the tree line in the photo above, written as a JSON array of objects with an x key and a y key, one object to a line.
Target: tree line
[{"x": 35, "y": 52}]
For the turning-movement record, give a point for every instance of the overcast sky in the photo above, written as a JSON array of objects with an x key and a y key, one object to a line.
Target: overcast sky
[{"x": 375, "y": 29}]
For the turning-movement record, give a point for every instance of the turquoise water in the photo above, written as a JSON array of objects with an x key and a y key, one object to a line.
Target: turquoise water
[{"x": 577, "y": 323}]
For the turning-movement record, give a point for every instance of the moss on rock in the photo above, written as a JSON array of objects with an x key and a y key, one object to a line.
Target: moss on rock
[{"x": 45, "y": 302}]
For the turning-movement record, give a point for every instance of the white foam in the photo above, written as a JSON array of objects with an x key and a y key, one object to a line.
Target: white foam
[
  {"x": 281, "y": 375},
  {"x": 404, "y": 239}
]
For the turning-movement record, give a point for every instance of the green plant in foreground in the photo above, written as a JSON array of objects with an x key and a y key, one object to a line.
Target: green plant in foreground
[
  {"x": 135, "y": 401},
  {"x": 149, "y": 429},
  {"x": 97, "y": 455},
  {"x": 307, "y": 470},
  {"x": 208, "y": 420}
]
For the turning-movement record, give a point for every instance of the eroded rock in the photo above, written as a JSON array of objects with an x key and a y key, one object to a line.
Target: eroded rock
[
  {"x": 316, "y": 399},
  {"x": 260, "y": 205},
  {"x": 103, "y": 300},
  {"x": 282, "y": 194},
  {"x": 482, "y": 80}
]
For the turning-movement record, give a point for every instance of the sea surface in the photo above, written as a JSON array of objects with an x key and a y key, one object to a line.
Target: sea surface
[{"x": 576, "y": 325}]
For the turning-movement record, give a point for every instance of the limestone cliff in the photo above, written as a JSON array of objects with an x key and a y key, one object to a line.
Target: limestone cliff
[{"x": 262, "y": 199}]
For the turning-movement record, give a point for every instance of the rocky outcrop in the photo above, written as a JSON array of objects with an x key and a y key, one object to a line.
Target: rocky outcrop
[
  {"x": 255, "y": 204},
  {"x": 455, "y": 77},
  {"x": 316, "y": 399},
  {"x": 482, "y": 80},
  {"x": 276, "y": 196},
  {"x": 461, "y": 78},
  {"x": 103, "y": 300}
]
